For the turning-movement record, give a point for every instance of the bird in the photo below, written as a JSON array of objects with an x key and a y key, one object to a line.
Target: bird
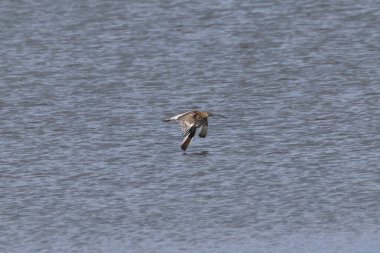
[{"x": 189, "y": 122}]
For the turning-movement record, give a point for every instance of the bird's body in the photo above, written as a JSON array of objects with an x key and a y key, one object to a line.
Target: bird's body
[{"x": 189, "y": 122}]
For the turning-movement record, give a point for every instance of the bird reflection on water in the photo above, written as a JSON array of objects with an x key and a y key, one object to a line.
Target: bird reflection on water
[{"x": 203, "y": 153}]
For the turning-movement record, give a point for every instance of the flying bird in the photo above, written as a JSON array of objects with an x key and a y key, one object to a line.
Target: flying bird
[{"x": 189, "y": 122}]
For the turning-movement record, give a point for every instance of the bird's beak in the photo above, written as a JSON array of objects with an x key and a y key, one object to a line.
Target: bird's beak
[{"x": 219, "y": 115}]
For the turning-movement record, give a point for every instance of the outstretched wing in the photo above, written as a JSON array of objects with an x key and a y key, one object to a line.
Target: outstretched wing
[
  {"x": 186, "y": 121},
  {"x": 188, "y": 138},
  {"x": 185, "y": 126},
  {"x": 203, "y": 131}
]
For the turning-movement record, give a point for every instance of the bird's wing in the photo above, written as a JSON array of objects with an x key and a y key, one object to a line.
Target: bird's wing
[
  {"x": 186, "y": 121},
  {"x": 203, "y": 131},
  {"x": 185, "y": 126},
  {"x": 188, "y": 138}
]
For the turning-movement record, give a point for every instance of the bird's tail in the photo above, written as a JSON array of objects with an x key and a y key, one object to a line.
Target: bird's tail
[{"x": 188, "y": 138}]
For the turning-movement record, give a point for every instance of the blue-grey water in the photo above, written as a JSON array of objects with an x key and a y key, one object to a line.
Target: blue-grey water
[{"x": 87, "y": 165}]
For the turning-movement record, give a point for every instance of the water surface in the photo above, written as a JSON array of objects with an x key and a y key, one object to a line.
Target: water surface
[{"x": 87, "y": 165}]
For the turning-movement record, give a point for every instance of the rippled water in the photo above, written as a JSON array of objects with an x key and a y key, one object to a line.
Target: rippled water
[{"x": 87, "y": 165}]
